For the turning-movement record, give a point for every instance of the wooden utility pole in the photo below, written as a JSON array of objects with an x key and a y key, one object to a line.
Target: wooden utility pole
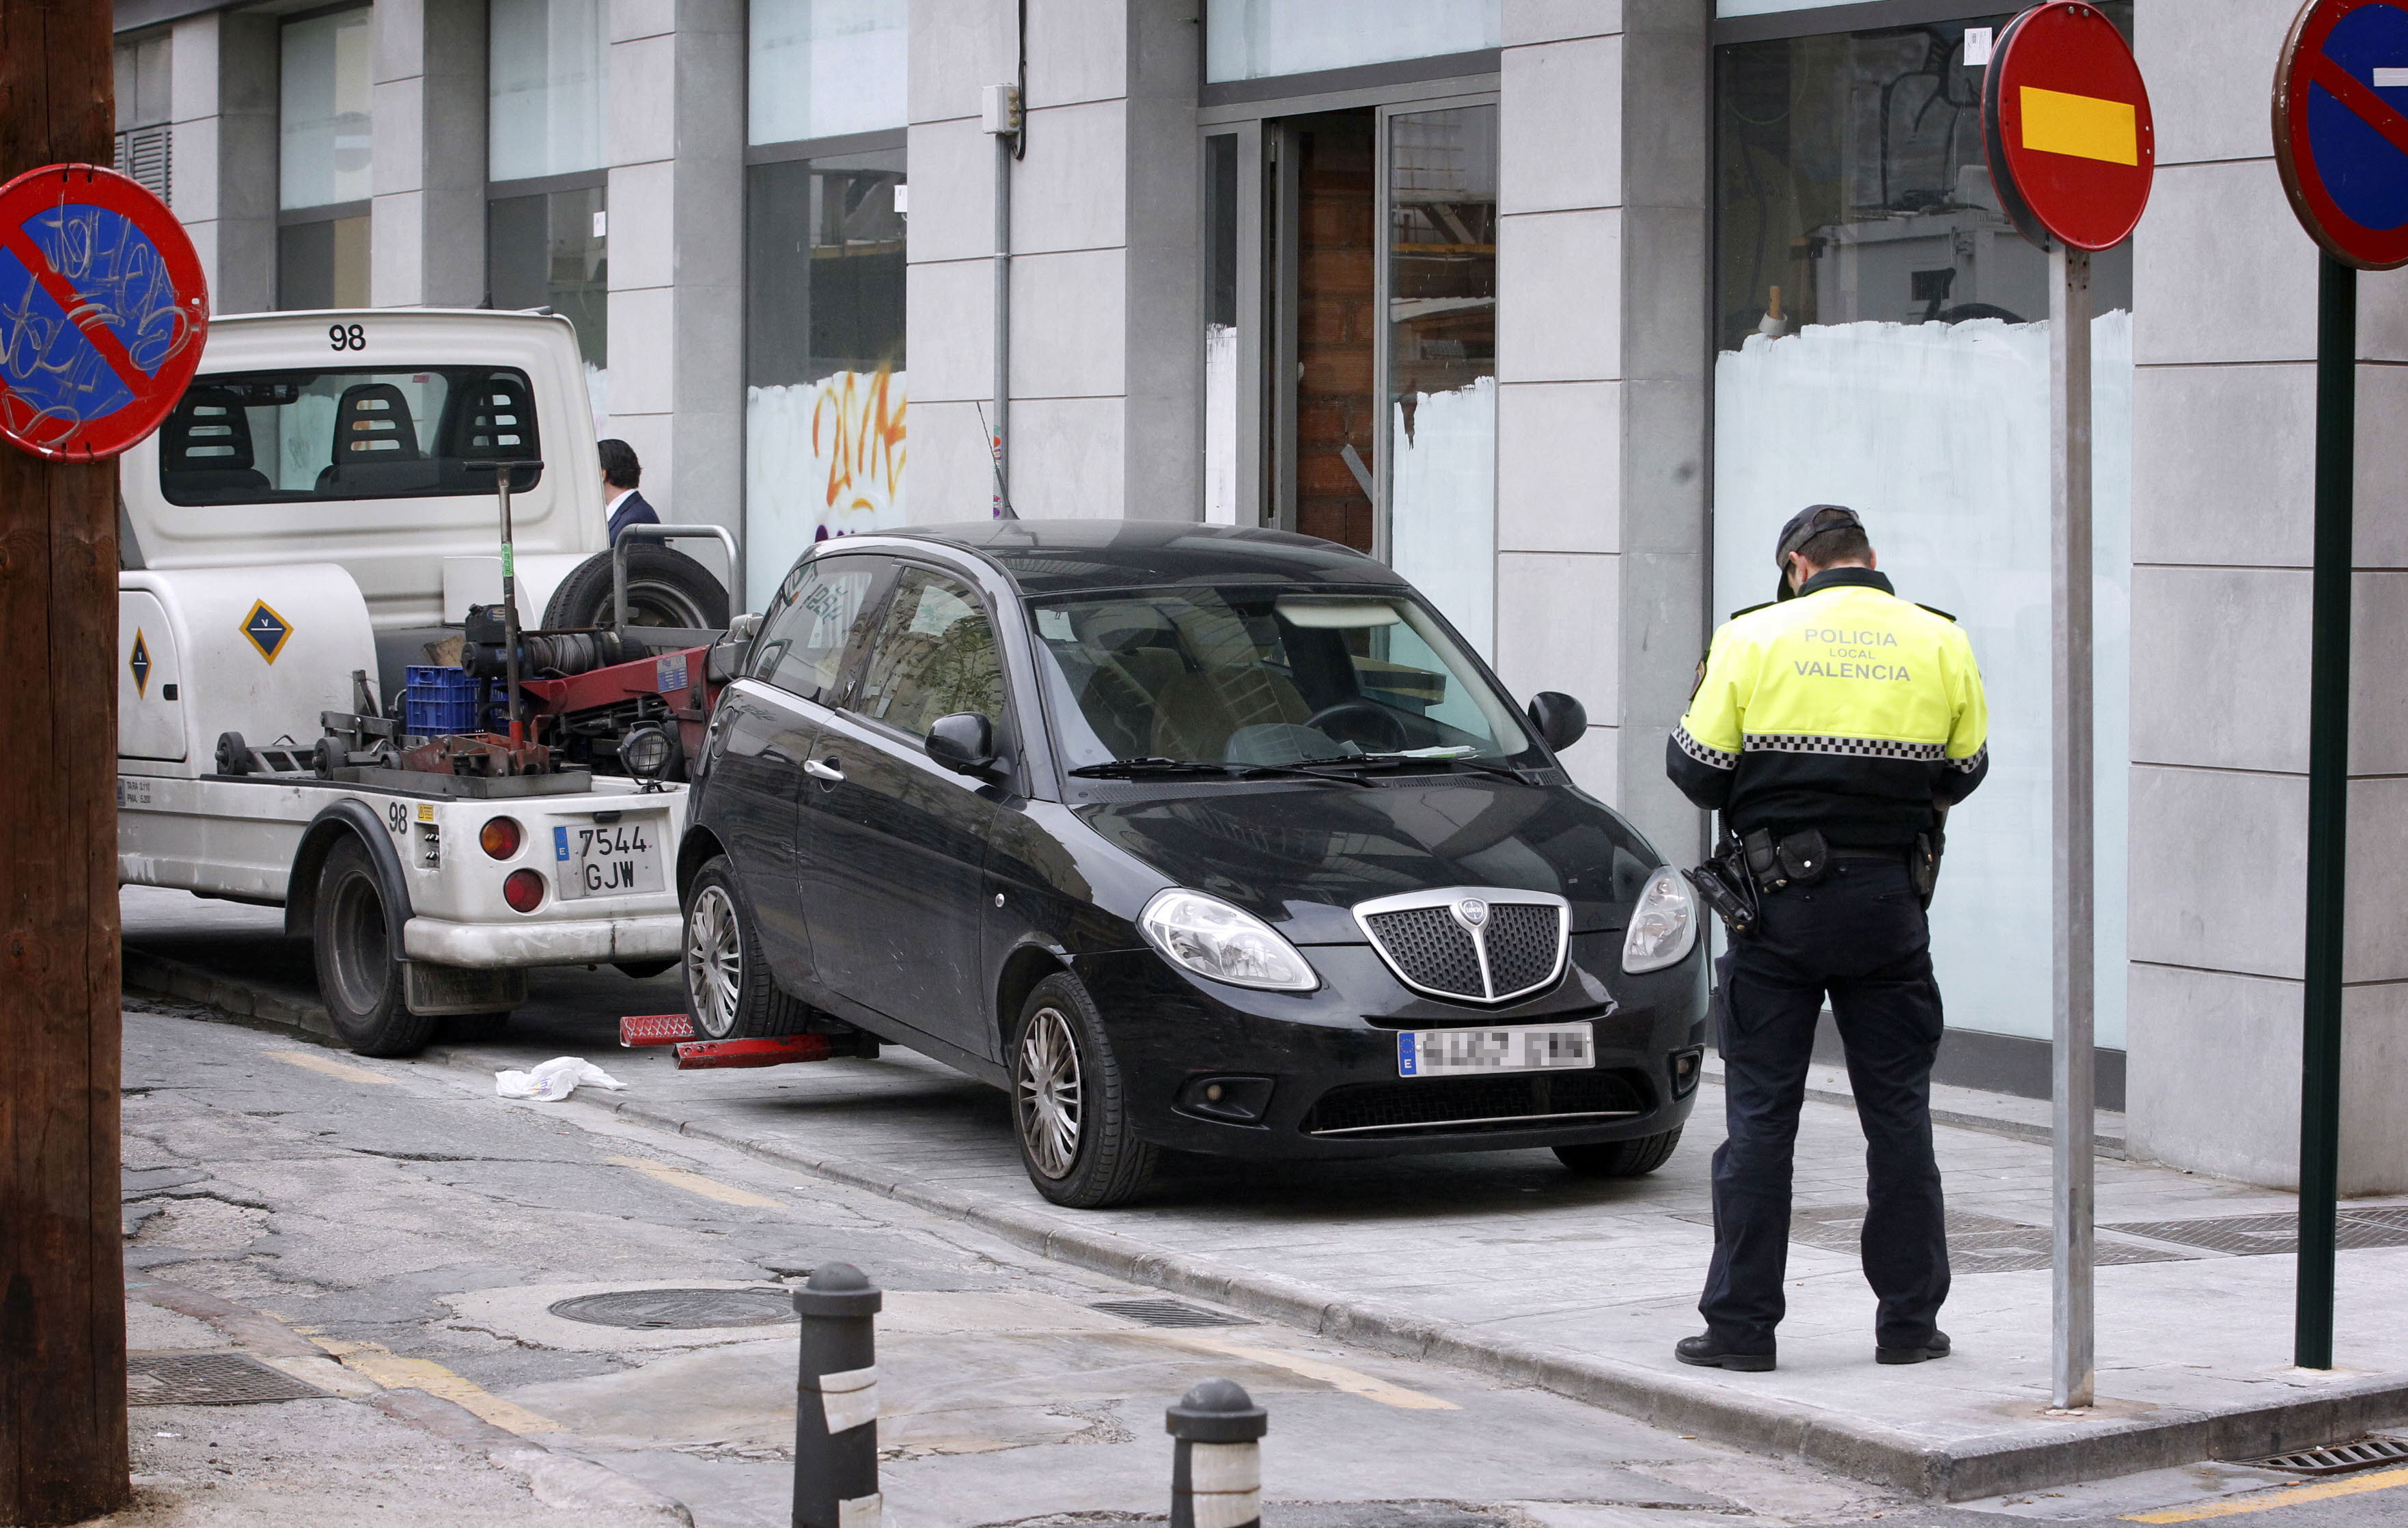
[{"x": 62, "y": 1273}]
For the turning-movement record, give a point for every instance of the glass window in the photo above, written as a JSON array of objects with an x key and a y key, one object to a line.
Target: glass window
[
  {"x": 1884, "y": 344},
  {"x": 813, "y": 619},
  {"x": 1442, "y": 361},
  {"x": 322, "y": 264},
  {"x": 1221, "y": 329},
  {"x": 549, "y": 250},
  {"x": 1248, "y": 676},
  {"x": 820, "y": 68},
  {"x": 825, "y": 386},
  {"x": 302, "y": 436},
  {"x": 548, "y": 69},
  {"x": 323, "y": 122},
  {"x": 1252, "y": 39},
  {"x": 935, "y": 656}
]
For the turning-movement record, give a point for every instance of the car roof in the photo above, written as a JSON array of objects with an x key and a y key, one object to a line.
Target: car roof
[{"x": 1064, "y": 556}]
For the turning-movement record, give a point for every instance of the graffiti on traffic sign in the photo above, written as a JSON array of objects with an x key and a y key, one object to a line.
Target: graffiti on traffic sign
[
  {"x": 2072, "y": 149},
  {"x": 102, "y": 312},
  {"x": 2341, "y": 128}
]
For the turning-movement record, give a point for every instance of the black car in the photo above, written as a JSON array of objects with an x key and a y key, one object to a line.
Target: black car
[{"x": 1190, "y": 837}]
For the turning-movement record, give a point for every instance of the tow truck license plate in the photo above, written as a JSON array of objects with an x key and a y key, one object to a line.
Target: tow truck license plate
[
  {"x": 1528, "y": 1048},
  {"x": 606, "y": 859}
]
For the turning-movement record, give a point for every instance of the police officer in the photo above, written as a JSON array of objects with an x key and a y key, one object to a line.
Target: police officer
[{"x": 1831, "y": 729}]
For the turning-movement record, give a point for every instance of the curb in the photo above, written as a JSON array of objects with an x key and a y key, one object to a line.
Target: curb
[
  {"x": 1970, "y": 1469},
  {"x": 157, "y": 976}
]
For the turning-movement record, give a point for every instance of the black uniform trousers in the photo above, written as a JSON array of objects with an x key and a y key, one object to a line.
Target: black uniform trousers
[{"x": 1859, "y": 936}]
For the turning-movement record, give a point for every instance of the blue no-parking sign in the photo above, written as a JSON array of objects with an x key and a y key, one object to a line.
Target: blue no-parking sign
[
  {"x": 103, "y": 309},
  {"x": 2341, "y": 128}
]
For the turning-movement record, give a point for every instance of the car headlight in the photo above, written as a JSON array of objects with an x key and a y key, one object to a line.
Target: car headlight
[
  {"x": 1664, "y": 925},
  {"x": 1211, "y": 939}
]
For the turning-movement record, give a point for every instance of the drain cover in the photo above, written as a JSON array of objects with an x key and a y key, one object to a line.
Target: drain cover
[
  {"x": 210, "y": 1379},
  {"x": 2339, "y": 1458},
  {"x": 662, "y": 1310},
  {"x": 1167, "y": 1313},
  {"x": 1977, "y": 1244},
  {"x": 2259, "y": 1235}
]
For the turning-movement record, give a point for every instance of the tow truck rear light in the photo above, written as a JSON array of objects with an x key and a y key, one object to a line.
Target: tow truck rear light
[
  {"x": 523, "y": 891},
  {"x": 501, "y": 837}
]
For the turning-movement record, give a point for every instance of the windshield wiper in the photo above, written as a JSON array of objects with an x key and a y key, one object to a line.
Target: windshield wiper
[
  {"x": 1131, "y": 768},
  {"x": 1486, "y": 767}
]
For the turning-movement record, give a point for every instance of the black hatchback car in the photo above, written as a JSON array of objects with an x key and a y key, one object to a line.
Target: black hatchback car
[{"x": 1191, "y": 838}]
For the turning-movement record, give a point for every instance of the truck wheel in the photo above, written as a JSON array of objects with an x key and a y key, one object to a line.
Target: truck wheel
[
  {"x": 1620, "y": 1159},
  {"x": 1068, "y": 1106},
  {"x": 729, "y": 993},
  {"x": 665, "y": 588},
  {"x": 358, "y": 973}
]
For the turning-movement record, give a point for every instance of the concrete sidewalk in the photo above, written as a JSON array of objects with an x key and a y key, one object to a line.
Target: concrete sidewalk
[{"x": 1505, "y": 1262}]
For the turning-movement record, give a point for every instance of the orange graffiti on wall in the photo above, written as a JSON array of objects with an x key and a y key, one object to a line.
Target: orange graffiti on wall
[{"x": 857, "y": 426}]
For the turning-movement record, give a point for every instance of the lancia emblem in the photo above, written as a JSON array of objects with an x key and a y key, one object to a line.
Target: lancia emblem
[{"x": 1471, "y": 913}]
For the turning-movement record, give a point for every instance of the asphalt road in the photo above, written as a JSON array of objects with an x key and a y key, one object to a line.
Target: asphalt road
[{"x": 398, "y": 1213}]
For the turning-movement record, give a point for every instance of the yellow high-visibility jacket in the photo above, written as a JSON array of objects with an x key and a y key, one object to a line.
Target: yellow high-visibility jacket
[{"x": 1846, "y": 709}]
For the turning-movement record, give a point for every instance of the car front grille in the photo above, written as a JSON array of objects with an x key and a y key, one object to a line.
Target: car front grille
[
  {"x": 1513, "y": 947},
  {"x": 1473, "y": 1105}
]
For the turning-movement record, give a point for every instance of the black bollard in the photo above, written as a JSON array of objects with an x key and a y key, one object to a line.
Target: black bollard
[
  {"x": 1216, "y": 1467},
  {"x": 836, "y": 1400}
]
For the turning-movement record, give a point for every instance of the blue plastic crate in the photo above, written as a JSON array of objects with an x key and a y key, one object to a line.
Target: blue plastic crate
[{"x": 437, "y": 701}]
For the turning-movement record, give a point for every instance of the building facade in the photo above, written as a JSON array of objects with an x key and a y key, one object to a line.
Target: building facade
[{"x": 1560, "y": 306}]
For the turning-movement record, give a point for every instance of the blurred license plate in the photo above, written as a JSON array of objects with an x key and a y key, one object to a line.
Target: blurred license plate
[
  {"x": 608, "y": 859},
  {"x": 1528, "y": 1048}
]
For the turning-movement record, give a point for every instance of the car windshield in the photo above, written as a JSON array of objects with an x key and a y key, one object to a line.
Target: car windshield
[{"x": 1260, "y": 678}]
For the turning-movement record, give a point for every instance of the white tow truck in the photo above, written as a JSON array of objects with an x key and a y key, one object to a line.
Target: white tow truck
[{"x": 317, "y": 518}]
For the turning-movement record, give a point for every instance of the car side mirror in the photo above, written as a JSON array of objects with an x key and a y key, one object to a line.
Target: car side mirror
[
  {"x": 963, "y": 742},
  {"x": 1561, "y": 720}
]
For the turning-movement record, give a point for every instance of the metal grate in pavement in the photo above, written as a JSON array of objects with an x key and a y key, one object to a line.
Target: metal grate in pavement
[
  {"x": 2259, "y": 1236},
  {"x": 1167, "y": 1313},
  {"x": 2339, "y": 1458},
  {"x": 210, "y": 1379},
  {"x": 667, "y": 1310},
  {"x": 1977, "y": 1244}
]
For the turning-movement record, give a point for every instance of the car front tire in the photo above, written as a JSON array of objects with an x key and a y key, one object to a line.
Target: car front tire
[
  {"x": 729, "y": 992},
  {"x": 1069, "y": 1108},
  {"x": 1620, "y": 1159}
]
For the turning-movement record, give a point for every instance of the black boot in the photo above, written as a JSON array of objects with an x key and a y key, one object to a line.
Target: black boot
[
  {"x": 1708, "y": 1351},
  {"x": 1935, "y": 1346}
]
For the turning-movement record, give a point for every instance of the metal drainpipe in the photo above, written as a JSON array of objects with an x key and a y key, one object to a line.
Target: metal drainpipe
[{"x": 1003, "y": 142}]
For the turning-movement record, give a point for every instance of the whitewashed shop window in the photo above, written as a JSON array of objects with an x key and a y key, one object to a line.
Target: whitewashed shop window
[
  {"x": 824, "y": 69},
  {"x": 549, "y": 73},
  {"x": 323, "y": 104},
  {"x": 1256, "y": 39},
  {"x": 1883, "y": 343},
  {"x": 826, "y": 387},
  {"x": 1442, "y": 360}
]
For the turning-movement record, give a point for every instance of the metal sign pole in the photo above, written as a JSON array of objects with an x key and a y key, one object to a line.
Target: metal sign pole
[
  {"x": 2073, "y": 936},
  {"x": 2327, "y": 808}
]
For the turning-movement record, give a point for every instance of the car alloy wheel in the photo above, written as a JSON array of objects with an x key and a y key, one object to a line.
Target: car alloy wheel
[
  {"x": 714, "y": 961},
  {"x": 1048, "y": 1101}
]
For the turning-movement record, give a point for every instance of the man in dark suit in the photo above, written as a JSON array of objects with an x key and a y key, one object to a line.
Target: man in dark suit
[{"x": 620, "y": 473}]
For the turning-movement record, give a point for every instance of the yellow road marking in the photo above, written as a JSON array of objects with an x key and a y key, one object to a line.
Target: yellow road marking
[
  {"x": 394, "y": 1371},
  {"x": 2084, "y": 126},
  {"x": 327, "y": 1064},
  {"x": 2319, "y": 1490},
  {"x": 1353, "y": 1381},
  {"x": 709, "y": 1188}
]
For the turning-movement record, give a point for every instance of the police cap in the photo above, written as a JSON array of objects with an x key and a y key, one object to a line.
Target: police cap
[{"x": 1805, "y": 526}]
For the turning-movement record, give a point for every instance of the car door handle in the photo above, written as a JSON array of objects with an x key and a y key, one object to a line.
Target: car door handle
[{"x": 824, "y": 769}]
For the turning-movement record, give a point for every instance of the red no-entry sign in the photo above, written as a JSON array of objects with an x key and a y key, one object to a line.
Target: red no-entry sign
[
  {"x": 2340, "y": 135},
  {"x": 2067, "y": 119},
  {"x": 102, "y": 312}
]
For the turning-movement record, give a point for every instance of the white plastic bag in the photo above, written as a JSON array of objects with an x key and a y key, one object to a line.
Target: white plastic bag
[{"x": 554, "y": 1080}]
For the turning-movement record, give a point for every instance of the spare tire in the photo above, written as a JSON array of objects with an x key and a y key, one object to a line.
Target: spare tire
[{"x": 665, "y": 588}]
